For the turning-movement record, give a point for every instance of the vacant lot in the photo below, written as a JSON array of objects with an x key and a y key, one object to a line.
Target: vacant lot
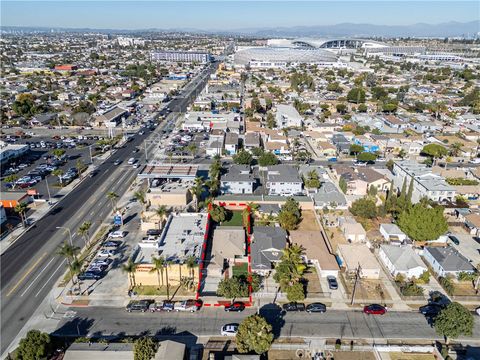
[
  {"x": 404, "y": 356},
  {"x": 373, "y": 290},
  {"x": 309, "y": 223}
]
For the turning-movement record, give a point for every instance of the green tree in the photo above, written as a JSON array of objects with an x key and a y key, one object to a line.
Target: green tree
[
  {"x": 456, "y": 148},
  {"x": 434, "y": 151},
  {"x": 356, "y": 149},
  {"x": 84, "y": 230},
  {"x": 271, "y": 123},
  {"x": 233, "y": 287},
  {"x": 130, "y": 267},
  {"x": 366, "y": 157},
  {"x": 254, "y": 334},
  {"x": 34, "y": 346},
  {"x": 161, "y": 211},
  {"x": 290, "y": 215},
  {"x": 291, "y": 266},
  {"x": 422, "y": 223},
  {"x": 312, "y": 180},
  {"x": 58, "y": 153},
  {"x": 362, "y": 108},
  {"x": 197, "y": 190},
  {"x": 144, "y": 349},
  {"x": 342, "y": 184},
  {"x": 341, "y": 108},
  {"x": 365, "y": 208},
  {"x": 267, "y": 158},
  {"x": 158, "y": 268},
  {"x": 59, "y": 174},
  {"x": 453, "y": 321},
  {"x": 356, "y": 95},
  {"x": 295, "y": 292},
  {"x": 218, "y": 213},
  {"x": 243, "y": 157},
  {"x": 11, "y": 179},
  {"x": 24, "y": 105},
  {"x": 257, "y": 151},
  {"x": 113, "y": 197},
  {"x": 21, "y": 208}
]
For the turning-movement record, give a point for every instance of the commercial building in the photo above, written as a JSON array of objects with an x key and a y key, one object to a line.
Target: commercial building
[
  {"x": 9, "y": 152},
  {"x": 181, "y": 56}
]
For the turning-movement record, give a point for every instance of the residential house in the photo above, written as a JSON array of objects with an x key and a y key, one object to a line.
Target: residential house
[
  {"x": 231, "y": 143},
  {"x": 360, "y": 180},
  {"x": 447, "y": 261},
  {"x": 287, "y": 116},
  {"x": 266, "y": 248},
  {"x": 283, "y": 180},
  {"x": 391, "y": 232},
  {"x": 329, "y": 196},
  {"x": 394, "y": 122},
  {"x": 251, "y": 141},
  {"x": 215, "y": 143},
  {"x": 472, "y": 223},
  {"x": 426, "y": 127},
  {"x": 352, "y": 230},
  {"x": 237, "y": 180},
  {"x": 341, "y": 143},
  {"x": 352, "y": 256},
  {"x": 402, "y": 260},
  {"x": 228, "y": 247}
]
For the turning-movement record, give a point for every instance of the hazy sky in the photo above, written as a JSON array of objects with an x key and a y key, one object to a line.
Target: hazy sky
[{"x": 229, "y": 14}]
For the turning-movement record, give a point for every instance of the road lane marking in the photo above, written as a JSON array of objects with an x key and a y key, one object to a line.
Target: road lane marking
[
  {"x": 26, "y": 274},
  {"x": 40, "y": 273},
  {"x": 50, "y": 278}
]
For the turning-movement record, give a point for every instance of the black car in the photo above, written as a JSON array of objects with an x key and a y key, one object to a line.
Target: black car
[
  {"x": 90, "y": 275},
  {"x": 236, "y": 306},
  {"x": 294, "y": 306},
  {"x": 430, "y": 310},
  {"x": 138, "y": 305},
  {"x": 454, "y": 239},
  {"x": 316, "y": 308},
  {"x": 332, "y": 282}
]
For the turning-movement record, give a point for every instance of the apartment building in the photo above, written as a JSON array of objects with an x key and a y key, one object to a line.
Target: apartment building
[
  {"x": 283, "y": 180},
  {"x": 238, "y": 180}
]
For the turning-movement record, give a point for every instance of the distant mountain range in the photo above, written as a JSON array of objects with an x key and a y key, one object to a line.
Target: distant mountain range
[{"x": 449, "y": 29}]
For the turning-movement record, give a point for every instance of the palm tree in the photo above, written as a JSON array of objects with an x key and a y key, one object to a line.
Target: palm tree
[
  {"x": 197, "y": 190},
  {"x": 112, "y": 196},
  {"x": 167, "y": 264},
  {"x": 191, "y": 263},
  {"x": 59, "y": 173},
  {"x": 213, "y": 186},
  {"x": 192, "y": 148},
  {"x": 140, "y": 196},
  {"x": 75, "y": 268},
  {"x": 20, "y": 209},
  {"x": 130, "y": 267},
  {"x": 161, "y": 211},
  {"x": 158, "y": 267},
  {"x": 69, "y": 252},
  {"x": 83, "y": 231},
  {"x": 455, "y": 148}
]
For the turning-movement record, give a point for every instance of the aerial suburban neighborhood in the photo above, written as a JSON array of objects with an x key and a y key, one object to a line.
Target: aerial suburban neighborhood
[{"x": 177, "y": 194}]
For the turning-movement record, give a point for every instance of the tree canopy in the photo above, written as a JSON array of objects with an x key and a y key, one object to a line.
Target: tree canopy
[
  {"x": 243, "y": 157},
  {"x": 254, "y": 334},
  {"x": 422, "y": 223},
  {"x": 290, "y": 214},
  {"x": 233, "y": 287},
  {"x": 356, "y": 95},
  {"x": 434, "y": 150},
  {"x": 144, "y": 349},
  {"x": 267, "y": 158},
  {"x": 35, "y": 345},
  {"x": 364, "y": 207},
  {"x": 454, "y": 320}
]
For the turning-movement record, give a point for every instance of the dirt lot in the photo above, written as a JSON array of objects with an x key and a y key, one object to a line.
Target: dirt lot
[
  {"x": 464, "y": 288},
  {"x": 367, "y": 289},
  {"x": 403, "y": 356},
  {"x": 308, "y": 222},
  {"x": 313, "y": 286}
]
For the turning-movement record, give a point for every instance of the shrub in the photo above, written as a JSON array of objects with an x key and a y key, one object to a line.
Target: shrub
[
  {"x": 447, "y": 285},
  {"x": 411, "y": 289}
]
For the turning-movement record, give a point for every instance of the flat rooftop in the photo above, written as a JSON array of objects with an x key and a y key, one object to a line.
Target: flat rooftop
[
  {"x": 168, "y": 171},
  {"x": 173, "y": 187}
]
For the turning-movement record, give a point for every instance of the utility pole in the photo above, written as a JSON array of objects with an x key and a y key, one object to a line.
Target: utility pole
[
  {"x": 48, "y": 190},
  {"x": 357, "y": 279},
  {"x": 90, "y": 150}
]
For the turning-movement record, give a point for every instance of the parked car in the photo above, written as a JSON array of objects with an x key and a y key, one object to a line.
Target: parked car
[
  {"x": 168, "y": 305},
  {"x": 332, "y": 282},
  {"x": 236, "y": 306},
  {"x": 374, "y": 309},
  {"x": 294, "y": 306},
  {"x": 138, "y": 305},
  {"x": 104, "y": 261},
  {"x": 316, "y": 308},
  {"x": 105, "y": 253},
  {"x": 188, "y": 305},
  {"x": 111, "y": 244},
  {"x": 454, "y": 239},
  {"x": 430, "y": 310},
  {"x": 117, "y": 234},
  {"x": 229, "y": 329},
  {"x": 90, "y": 275},
  {"x": 155, "y": 306},
  {"x": 97, "y": 268}
]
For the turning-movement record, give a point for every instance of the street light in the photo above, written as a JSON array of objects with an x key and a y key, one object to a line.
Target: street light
[{"x": 69, "y": 233}]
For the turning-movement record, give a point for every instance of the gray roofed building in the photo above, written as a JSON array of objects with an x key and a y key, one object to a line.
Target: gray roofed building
[
  {"x": 237, "y": 180},
  {"x": 252, "y": 140},
  {"x": 112, "y": 115},
  {"x": 44, "y": 118},
  {"x": 327, "y": 195},
  {"x": 283, "y": 180},
  {"x": 287, "y": 116},
  {"x": 447, "y": 261},
  {"x": 402, "y": 260},
  {"x": 228, "y": 245},
  {"x": 266, "y": 248}
]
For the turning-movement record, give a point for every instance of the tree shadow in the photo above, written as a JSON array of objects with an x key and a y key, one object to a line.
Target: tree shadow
[
  {"x": 76, "y": 327},
  {"x": 166, "y": 330},
  {"x": 274, "y": 315}
]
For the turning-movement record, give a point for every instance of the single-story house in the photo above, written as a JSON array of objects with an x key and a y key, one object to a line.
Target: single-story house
[
  {"x": 401, "y": 260},
  {"x": 391, "y": 232},
  {"x": 228, "y": 246},
  {"x": 447, "y": 261},
  {"x": 266, "y": 248},
  {"x": 352, "y": 230},
  {"x": 472, "y": 222},
  {"x": 316, "y": 251},
  {"x": 351, "y": 256}
]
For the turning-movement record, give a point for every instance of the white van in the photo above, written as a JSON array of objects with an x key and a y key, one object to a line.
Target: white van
[{"x": 131, "y": 161}]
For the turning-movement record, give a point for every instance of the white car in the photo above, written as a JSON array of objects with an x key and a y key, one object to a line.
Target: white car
[
  {"x": 105, "y": 253},
  {"x": 117, "y": 234},
  {"x": 477, "y": 310},
  {"x": 229, "y": 330}
]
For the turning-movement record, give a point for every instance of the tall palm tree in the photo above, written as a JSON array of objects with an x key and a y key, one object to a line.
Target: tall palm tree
[
  {"x": 455, "y": 148},
  {"x": 158, "y": 267},
  {"x": 21, "y": 209},
  {"x": 140, "y": 196},
  {"x": 75, "y": 268},
  {"x": 69, "y": 252},
  {"x": 113, "y": 197},
  {"x": 161, "y": 211},
  {"x": 83, "y": 231},
  {"x": 191, "y": 263},
  {"x": 197, "y": 190},
  {"x": 130, "y": 267},
  {"x": 167, "y": 264}
]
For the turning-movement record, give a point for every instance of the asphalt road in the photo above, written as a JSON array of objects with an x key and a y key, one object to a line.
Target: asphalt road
[
  {"x": 29, "y": 268},
  {"x": 208, "y": 321}
]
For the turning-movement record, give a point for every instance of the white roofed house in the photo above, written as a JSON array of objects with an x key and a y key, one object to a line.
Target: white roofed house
[
  {"x": 401, "y": 260},
  {"x": 287, "y": 116},
  {"x": 391, "y": 232}
]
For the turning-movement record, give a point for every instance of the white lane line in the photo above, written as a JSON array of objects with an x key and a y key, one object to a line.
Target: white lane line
[
  {"x": 50, "y": 278},
  {"x": 40, "y": 273}
]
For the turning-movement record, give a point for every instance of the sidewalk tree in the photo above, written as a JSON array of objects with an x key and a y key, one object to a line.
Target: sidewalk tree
[
  {"x": 422, "y": 223},
  {"x": 83, "y": 231},
  {"x": 35, "y": 345},
  {"x": 130, "y": 267},
  {"x": 113, "y": 197},
  {"x": 254, "y": 334},
  {"x": 243, "y": 157},
  {"x": 144, "y": 349},
  {"x": 140, "y": 196},
  {"x": 158, "y": 267},
  {"x": 21, "y": 209},
  {"x": 453, "y": 321},
  {"x": 12, "y": 180},
  {"x": 295, "y": 292},
  {"x": 70, "y": 253}
]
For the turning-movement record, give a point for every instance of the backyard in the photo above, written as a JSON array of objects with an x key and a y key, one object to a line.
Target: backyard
[{"x": 235, "y": 220}]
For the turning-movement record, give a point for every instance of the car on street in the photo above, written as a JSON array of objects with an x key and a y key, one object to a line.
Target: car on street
[
  {"x": 138, "y": 305},
  {"x": 117, "y": 234},
  {"x": 374, "y": 309},
  {"x": 332, "y": 282},
  {"x": 316, "y": 308},
  {"x": 229, "y": 329},
  {"x": 168, "y": 305},
  {"x": 90, "y": 275},
  {"x": 155, "y": 307},
  {"x": 93, "y": 173},
  {"x": 430, "y": 310},
  {"x": 117, "y": 162},
  {"x": 236, "y": 306},
  {"x": 294, "y": 306},
  {"x": 188, "y": 305}
]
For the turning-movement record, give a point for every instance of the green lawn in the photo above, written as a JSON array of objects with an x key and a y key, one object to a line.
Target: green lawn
[
  {"x": 235, "y": 220},
  {"x": 241, "y": 269}
]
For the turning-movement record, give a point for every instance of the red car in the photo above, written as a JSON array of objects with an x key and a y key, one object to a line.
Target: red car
[{"x": 374, "y": 309}]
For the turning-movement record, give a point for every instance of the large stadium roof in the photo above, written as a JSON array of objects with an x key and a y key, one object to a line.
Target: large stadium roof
[
  {"x": 332, "y": 43},
  {"x": 283, "y": 54}
]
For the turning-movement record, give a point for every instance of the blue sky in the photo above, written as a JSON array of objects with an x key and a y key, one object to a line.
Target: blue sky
[{"x": 229, "y": 14}]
